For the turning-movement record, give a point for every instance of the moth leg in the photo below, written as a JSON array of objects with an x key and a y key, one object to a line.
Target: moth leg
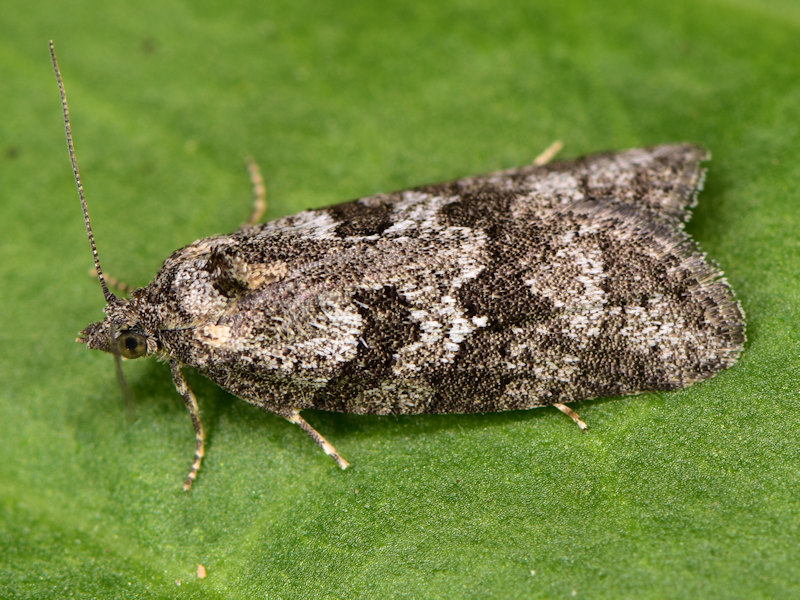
[
  {"x": 572, "y": 415},
  {"x": 259, "y": 192},
  {"x": 548, "y": 154},
  {"x": 194, "y": 411},
  {"x": 327, "y": 447},
  {"x": 113, "y": 282}
]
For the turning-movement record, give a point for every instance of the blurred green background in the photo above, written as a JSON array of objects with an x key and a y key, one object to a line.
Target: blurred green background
[{"x": 685, "y": 494}]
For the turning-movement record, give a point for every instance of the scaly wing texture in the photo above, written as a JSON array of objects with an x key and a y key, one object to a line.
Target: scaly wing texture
[{"x": 516, "y": 289}]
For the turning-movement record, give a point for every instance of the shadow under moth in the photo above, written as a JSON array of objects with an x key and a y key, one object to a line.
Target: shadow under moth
[{"x": 536, "y": 286}]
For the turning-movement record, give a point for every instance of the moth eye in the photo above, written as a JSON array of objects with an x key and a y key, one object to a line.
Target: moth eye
[{"x": 131, "y": 345}]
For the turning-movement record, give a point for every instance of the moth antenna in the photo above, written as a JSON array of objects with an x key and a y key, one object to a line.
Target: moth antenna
[{"x": 106, "y": 292}]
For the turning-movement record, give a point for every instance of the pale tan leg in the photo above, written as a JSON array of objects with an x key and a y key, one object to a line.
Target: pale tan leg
[
  {"x": 120, "y": 286},
  {"x": 194, "y": 411},
  {"x": 572, "y": 415},
  {"x": 546, "y": 156},
  {"x": 259, "y": 192},
  {"x": 327, "y": 447}
]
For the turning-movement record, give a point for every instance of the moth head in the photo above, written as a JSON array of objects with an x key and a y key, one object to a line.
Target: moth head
[
  {"x": 120, "y": 333},
  {"x": 127, "y": 343}
]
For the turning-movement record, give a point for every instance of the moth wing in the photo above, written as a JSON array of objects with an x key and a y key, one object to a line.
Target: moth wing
[
  {"x": 515, "y": 289},
  {"x": 664, "y": 180}
]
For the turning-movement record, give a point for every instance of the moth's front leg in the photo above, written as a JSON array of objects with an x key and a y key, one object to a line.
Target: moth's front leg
[
  {"x": 113, "y": 282},
  {"x": 194, "y": 411}
]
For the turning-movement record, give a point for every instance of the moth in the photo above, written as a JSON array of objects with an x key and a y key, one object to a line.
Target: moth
[{"x": 537, "y": 286}]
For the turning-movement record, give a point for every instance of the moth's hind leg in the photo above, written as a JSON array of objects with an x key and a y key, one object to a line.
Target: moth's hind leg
[
  {"x": 548, "y": 154},
  {"x": 259, "y": 192},
  {"x": 572, "y": 415},
  {"x": 327, "y": 447}
]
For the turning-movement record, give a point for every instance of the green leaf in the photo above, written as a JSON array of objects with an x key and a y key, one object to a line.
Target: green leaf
[{"x": 685, "y": 494}]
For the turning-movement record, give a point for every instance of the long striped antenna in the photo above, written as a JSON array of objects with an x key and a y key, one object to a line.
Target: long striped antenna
[{"x": 106, "y": 293}]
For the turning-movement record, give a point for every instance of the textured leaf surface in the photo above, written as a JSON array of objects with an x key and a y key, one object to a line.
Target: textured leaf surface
[{"x": 687, "y": 494}]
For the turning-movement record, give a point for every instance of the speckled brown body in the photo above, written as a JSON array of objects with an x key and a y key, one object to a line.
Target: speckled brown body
[{"x": 517, "y": 289}]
